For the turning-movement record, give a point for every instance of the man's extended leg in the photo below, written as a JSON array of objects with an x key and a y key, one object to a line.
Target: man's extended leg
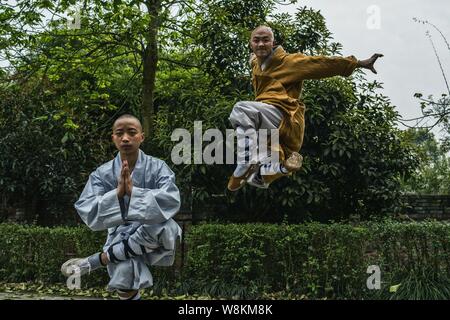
[{"x": 83, "y": 266}]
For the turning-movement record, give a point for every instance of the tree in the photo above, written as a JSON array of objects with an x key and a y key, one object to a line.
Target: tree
[
  {"x": 45, "y": 156},
  {"x": 434, "y": 110},
  {"x": 433, "y": 174},
  {"x": 354, "y": 156},
  {"x": 353, "y": 153},
  {"x": 111, "y": 29}
]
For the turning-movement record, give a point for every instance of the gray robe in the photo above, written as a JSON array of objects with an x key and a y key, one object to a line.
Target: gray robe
[{"x": 146, "y": 216}]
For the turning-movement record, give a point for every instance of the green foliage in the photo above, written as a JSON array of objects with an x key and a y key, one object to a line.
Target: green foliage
[
  {"x": 353, "y": 155},
  {"x": 55, "y": 123},
  {"x": 311, "y": 261},
  {"x": 36, "y": 254},
  {"x": 306, "y": 32},
  {"x": 45, "y": 291},
  {"x": 317, "y": 260},
  {"x": 48, "y": 151},
  {"x": 421, "y": 286},
  {"x": 433, "y": 173}
]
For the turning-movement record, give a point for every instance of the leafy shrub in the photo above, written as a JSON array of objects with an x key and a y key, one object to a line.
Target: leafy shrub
[
  {"x": 253, "y": 260},
  {"x": 318, "y": 260}
]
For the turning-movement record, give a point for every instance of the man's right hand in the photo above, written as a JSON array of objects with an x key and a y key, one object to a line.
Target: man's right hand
[{"x": 121, "y": 189}]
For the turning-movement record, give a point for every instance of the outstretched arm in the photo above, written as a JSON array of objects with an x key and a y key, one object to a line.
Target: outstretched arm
[
  {"x": 368, "y": 63},
  {"x": 319, "y": 67}
]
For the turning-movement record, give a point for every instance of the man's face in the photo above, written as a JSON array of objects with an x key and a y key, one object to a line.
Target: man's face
[
  {"x": 127, "y": 135},
  {"x": 261, "y": 43}
]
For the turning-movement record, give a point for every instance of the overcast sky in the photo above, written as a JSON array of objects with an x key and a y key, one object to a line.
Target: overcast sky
[{"x": 409, "y": 64}]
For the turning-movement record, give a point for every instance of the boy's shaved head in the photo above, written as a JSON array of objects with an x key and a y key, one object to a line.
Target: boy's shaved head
[
  {"x": 127, "y": 134},
  {"x": 128, "y": 116}
]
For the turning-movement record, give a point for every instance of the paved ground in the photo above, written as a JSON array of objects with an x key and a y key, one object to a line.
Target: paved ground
[{"x": 30, "y": 296}]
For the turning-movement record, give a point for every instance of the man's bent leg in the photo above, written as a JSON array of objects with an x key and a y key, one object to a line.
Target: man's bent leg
[
  {"x": 155, "y": 239},
  {"x": 247, "y": 117},
  {"x": 131, "y": 274},
  {"x": 268, "y": 117},
  {"x": 148, "y": 245}
]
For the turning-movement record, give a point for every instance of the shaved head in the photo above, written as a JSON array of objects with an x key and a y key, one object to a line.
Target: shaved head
[
  {"x": 128, "y": 116},
  {"x": 262, "y": 42},
  {"x": 263, "y": 28},
  {"x": 127, "y": 135}
]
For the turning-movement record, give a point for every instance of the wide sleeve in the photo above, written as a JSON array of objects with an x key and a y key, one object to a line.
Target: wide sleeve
[
  {"x": 318, "y": 67},
  {"x": 151, "y": 206},
  {"x": 100, "y": 210}
]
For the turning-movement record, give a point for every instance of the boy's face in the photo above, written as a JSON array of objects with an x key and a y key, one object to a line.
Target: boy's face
[
  {"x": 127, "y": 135},
  {"x": 262, "y": 43}
]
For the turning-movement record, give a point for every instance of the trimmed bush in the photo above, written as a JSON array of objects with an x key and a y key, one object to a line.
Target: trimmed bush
[
  {"x": 252, "y": 260},
  {"x": 31, "y": 253},
  {"x": 37, "y": 253},
  {"x": 319, "y": 260}
]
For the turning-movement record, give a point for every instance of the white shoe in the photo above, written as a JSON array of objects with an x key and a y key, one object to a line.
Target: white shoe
[
  {"x": 79, "y": 266},
  {"x": 257, "y": 181},
  {"x": 236, "y": 183}
]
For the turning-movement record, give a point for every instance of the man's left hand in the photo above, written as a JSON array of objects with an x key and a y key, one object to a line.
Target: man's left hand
[
  {"x": 368, "y": 63},
  {"x": 127, "y": 178}
]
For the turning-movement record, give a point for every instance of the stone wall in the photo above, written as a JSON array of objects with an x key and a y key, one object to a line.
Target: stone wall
[{"x": 419, "y": 207}]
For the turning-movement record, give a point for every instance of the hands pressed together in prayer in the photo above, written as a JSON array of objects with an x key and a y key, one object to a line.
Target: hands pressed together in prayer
[
  {"x": 368, "y": 63},
  {"x": 125, "y": 185}
]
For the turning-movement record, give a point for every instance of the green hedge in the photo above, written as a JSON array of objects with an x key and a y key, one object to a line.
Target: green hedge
[
  {"x": 31, "y": 253},
  {"x": 319, "y": 260},
  {"x": 37, "y": 253},
  {"x": 249, "y": 260}
]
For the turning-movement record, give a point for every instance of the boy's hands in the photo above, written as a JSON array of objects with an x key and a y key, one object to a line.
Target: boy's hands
[
  {"x": 125, "y": 185},
  {"x": 368, "y": 63}
]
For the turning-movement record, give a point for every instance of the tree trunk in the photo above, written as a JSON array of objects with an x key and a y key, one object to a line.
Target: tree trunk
[
  {"x": 150, "y": 62},
  {"x": 30, "y": 206}
]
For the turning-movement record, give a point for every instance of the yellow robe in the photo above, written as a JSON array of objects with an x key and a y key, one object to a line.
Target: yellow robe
[{"x": 281, "y": 82}]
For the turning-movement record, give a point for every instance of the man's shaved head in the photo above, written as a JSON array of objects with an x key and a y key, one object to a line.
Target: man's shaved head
[
  {"x": 262, "y": 42},
  {"x": 128, "y": 116},
  {"x": 264, "y": 29}
]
